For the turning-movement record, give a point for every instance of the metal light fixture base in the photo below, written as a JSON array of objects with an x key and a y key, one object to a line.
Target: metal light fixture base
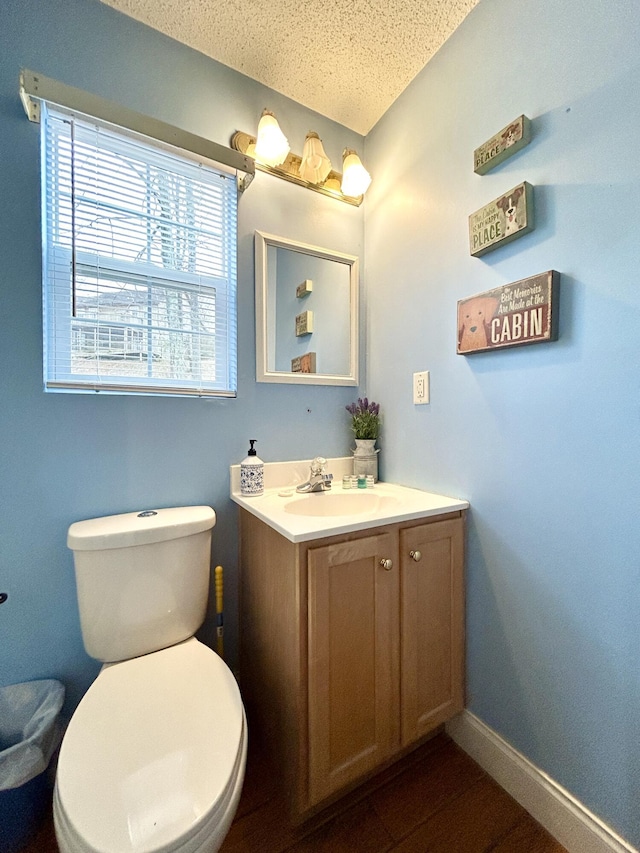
[{"x": 289, "y": 171}]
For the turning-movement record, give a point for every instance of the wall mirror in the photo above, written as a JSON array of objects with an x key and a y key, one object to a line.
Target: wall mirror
[{"x": 306, "y": 313}]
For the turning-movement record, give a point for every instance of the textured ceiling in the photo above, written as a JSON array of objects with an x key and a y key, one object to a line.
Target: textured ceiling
[{"x": 345, "y": 59}]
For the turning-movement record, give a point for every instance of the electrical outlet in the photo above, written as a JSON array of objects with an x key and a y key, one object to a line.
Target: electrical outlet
[{"x": 421, "y": 388}]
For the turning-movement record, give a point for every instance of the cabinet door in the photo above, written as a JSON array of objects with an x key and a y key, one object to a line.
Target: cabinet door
[
  {"x": 353, "y": 660},
  {"x": 432, "y": 626}
]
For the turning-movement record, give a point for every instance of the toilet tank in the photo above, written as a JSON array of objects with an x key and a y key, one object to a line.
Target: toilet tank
[{"x": 142, "y": 579}]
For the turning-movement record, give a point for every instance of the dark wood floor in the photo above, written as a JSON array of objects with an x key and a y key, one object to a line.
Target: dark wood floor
[{"x": 437, "y": 800}]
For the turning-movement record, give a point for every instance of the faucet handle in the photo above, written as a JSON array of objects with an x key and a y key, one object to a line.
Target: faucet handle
[{"x": 317, "y": 465}]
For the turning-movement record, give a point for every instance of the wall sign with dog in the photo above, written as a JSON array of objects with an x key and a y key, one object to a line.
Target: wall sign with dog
[
  {"x": 304, "y": 363},
  {"x": 504, "y": 144},
  {"x": 524, "y": 312},
  {"x": 304, "y": 323},
  {"x": 502, "y": 220}
]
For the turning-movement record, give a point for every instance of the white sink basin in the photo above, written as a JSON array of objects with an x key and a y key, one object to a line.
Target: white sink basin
[
  {"x": 305, "y": 517},
  {"x": 332, "y": 504}
]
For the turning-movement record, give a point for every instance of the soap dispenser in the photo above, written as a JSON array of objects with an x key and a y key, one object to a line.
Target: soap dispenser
[{"x": 252, "y": 473}]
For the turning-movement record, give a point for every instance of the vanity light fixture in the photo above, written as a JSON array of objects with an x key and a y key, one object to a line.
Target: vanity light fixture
[
  {"x": 315, "y": 166},
  {"x": 271, "y": 146},
  {"x": 312, "y": 170},
  {"x": 355, "y": 178}
]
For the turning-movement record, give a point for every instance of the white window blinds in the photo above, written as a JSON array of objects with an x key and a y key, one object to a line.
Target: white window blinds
[{"x": 139, "y": 264}]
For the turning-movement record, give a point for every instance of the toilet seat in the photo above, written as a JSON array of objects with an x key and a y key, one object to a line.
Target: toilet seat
[{"x": 153, "y": 754}]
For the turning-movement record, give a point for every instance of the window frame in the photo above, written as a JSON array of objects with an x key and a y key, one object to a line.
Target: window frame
[{"x": 39, "y": 93}]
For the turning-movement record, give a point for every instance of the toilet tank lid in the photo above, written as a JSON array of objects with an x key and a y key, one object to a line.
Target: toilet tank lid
[{"x": 139, "y": 528}]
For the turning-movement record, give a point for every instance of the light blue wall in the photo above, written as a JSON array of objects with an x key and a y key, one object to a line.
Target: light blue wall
[
  {"x": 543, "y": 440},
  {"x": 65, "y": 458}
]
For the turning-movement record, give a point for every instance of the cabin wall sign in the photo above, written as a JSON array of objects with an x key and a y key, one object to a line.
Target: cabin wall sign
[{"x": 524, "y": 312}]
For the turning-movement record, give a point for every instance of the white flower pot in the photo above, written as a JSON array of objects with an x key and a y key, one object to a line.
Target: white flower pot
[{"x": 365, "y": 458}]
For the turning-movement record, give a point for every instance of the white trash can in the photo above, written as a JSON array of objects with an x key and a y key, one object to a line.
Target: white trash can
[{"x": 29, "y": 735}]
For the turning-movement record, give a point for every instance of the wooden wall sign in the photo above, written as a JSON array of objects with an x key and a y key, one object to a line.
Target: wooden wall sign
[
  {"x": 305, "y": 288},
  {"x": 504, "y": 144},
  {"x": 304, "y": 323},
  {"x": 304, "y": 363},
  {"x": 502, "y": 220},
  {"x": 524, "y": 312}
]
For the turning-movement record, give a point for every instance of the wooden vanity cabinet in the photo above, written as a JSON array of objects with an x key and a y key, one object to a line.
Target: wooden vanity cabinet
[
  {"x": 353, "y": 658},
  {"x": 432, "y": 625},
  {"x": 352, "y": 647}
]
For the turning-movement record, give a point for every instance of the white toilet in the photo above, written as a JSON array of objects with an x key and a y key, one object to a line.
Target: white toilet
[{"x": 153, "y": 759}]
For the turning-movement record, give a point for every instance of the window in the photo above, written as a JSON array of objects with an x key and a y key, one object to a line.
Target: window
[{"x": 139, "y": 264}]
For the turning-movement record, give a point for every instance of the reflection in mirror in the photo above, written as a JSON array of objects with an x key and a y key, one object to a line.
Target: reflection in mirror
[{"x": 306, "y": 313}]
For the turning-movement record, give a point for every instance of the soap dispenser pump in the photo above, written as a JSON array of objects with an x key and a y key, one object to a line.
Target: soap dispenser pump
[{"x": 252, "y": 473}]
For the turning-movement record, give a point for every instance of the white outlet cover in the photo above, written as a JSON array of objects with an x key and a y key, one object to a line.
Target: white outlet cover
[{"x": 421, "y": 388}]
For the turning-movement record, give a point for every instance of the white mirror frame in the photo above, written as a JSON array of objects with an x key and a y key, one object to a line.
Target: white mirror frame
[{"x": 263, "y": 374}]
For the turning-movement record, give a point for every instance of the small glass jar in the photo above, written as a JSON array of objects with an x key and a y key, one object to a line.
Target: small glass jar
[
  {"x": 346, "y": 481},
  {"x": 369, "y": 481},
  {"x": 362, "y": 482}
]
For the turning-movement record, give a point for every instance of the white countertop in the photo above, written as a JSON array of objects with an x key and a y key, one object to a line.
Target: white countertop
[{"x": 300, "y": 518}]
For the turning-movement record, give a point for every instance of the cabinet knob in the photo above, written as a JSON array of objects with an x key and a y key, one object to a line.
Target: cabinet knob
[
  {"x": 387, "y": 565},
  {"x": 415, "y": 555}
]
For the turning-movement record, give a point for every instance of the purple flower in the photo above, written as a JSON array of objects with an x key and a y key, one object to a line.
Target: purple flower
[{"x": 365, "y": 418}]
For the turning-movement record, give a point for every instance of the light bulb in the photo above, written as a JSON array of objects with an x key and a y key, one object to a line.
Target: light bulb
[
  {"x": 355, "y": 178},
  {"x": 315, "y": 165},
  {"x": 271, "y": 145}
]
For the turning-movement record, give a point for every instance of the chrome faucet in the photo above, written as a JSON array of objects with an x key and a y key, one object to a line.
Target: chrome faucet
[{"x": 318, "y": 481}]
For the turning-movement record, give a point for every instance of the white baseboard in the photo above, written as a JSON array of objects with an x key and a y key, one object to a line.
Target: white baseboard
[{"x": 573, "y": 825}]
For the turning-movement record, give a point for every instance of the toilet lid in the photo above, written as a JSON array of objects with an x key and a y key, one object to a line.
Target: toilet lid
[{"x": 151, "y": 749}]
